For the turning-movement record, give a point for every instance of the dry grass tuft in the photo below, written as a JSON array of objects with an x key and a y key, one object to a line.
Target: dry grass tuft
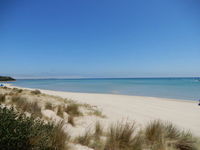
[
  {"x": 16, "y": 90},
  {"x": 25, "y": 106},
  {"x": 84, "y": 139},
  {"x": 161, "y": 135},
  {"x": 2, "y": 98},
  {"x": 97, "y": 113},
  {"x": 98, "y": 129},
  {"x": 49, "y": 106},
  {"x": 73, "y": 110},
  {"x": 60, "y": 138},
  {"x": 60, "y": 111},
  {"x": 36, "y": 92},
  {"x": 71, "y": 120},
  {"x": 121, "y": 137}
]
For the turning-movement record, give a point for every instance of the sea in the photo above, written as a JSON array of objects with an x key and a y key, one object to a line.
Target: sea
[{"x": 174, "y": 88}]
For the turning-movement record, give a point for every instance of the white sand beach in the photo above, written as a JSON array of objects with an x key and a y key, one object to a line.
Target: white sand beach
[{"x": 185, "y": 114}]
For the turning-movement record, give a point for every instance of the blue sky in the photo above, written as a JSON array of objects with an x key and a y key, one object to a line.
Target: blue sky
[{"x": 99, "y": 38}]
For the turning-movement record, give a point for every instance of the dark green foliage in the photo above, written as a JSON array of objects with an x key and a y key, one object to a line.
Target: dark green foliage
[{"x": 18, "y": 132}]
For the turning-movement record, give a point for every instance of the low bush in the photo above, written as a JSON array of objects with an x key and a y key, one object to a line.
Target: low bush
[{"x": 25, "y": 133}]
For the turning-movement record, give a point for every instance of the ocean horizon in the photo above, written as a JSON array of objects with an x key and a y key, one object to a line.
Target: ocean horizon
[{"x": 186, "y": 88}]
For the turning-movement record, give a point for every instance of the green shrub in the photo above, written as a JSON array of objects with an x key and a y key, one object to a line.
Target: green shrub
[{"x": 25, "y": 133}]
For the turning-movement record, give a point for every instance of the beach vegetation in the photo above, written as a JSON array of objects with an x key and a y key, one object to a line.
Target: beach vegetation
[
  {"x": 84, "y": 139},
  {"x": 60, "y": 111},
  {"x": 73, "y": 110},
  {"x": 97, "y": 113},
  {"x": 2, "y": 98},
  {"x": 71, "y": 120},
  {"x": 48, "y": 105},
  {"x": 98, "y": 129},
  {"x": 36, "y": 92},
  {"x": 123, "y": 136},
  {"x": 16, "y": 90},
  {"x": 164, "y": 135},
  {"x": 17, "y": 131}
]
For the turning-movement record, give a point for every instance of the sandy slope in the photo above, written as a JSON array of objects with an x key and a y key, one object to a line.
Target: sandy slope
[{"x": 185, "y": 114}]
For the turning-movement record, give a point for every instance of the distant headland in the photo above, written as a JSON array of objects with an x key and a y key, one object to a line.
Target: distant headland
[{"x": 6, "y": 78}]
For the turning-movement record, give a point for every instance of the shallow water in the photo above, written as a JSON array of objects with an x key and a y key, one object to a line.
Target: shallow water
[{"x": 177, "y": 88}]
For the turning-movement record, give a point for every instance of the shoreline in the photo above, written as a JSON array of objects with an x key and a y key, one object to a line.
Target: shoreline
[
  {"x": 163, "y": 98},
  {"x": 183, "y": 113}
]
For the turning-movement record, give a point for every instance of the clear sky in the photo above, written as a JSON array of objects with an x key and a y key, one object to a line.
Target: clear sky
[{"x": 99, "y": 38}]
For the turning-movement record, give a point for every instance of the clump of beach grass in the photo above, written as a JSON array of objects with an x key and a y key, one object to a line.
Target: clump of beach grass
[
  {"x": 123, "y": 137},
  {"x": 16, "y": 90},
  {"x": 60, "y": 138},
  {"x": 164, "y": 135},
  {"x": 48, "y": 105},
  {"x": 71, "y": 120},
  {"x": 60, "y": 111},
  {"x": 98, "y": 129},
  {"x": 84, "y": 139},
  {"x": 36, "y": 92},
  {"x": 24, "y": 105},
  {"x": 97, "y": 113},
  {"x": 73, "y": 110},
  {"x": 2, "y": 98},
  {"x": 32, "y": 108}
]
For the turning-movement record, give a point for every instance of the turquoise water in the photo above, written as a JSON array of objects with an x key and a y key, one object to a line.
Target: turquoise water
[{"x": 178, "y": 88}]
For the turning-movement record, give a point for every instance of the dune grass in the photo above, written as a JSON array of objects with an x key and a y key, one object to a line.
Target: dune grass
[
  {"x": 25, "y": 106},
  {"x": 164, "y": 135},
  {"x": 36, "y": 92},
  {"x": 48, "y": 105},
  {"x": 73, "y": 110},
  {"x": 60, "y": 138},
  {"x": 71, "y": 120},
  {"x": 123, "y": 136},
  {"x": 2, "y": 98},
  {"x": 84, "y": 139},
  {"x": 60, "y": 111},
  {"x": 16, "y": 90},
  {"x": 98, "y": 131}
]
